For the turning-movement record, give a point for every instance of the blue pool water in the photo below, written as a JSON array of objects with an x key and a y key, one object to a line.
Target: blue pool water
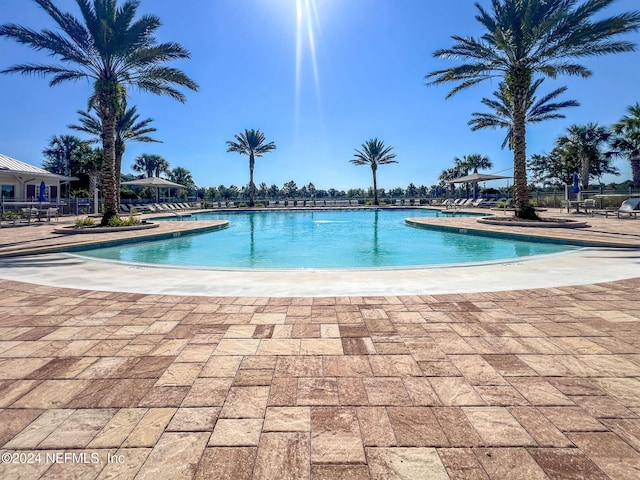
[{"x": 322, "y": 239}]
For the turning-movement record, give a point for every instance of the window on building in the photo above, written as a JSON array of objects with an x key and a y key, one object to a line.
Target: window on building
[{"x": 8, "y": 191}]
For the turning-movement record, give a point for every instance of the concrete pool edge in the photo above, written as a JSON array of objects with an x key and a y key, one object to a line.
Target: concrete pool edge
[{"x": 59, "y": 270}]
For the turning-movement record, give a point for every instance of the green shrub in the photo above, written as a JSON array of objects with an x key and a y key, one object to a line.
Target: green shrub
[
  {"x": 10, "y": 216},
  {"x": 124, "y": 222},
  {"x": 85, "y": 222},
  {"x": 242, "y": 204},
  {"x": 500, "y": 205},
  {"x": 259, "y": 204}
]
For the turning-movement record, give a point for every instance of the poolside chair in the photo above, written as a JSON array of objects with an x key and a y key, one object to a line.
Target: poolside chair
[
  {"x": 124, "y": 207},
  {"x": 589, "y": 205},
  {"x": 631, "y": 206},
  {"x": 29, "y": 213},
  {"x": 52, "y": 213},
  {"x": 477, "y": 203}
]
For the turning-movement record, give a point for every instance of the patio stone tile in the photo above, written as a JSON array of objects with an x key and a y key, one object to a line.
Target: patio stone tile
[
  {"x": 351, "y": 391},
  {"x": 62, "y": 368},
  {"x": 317, "y": 391},
  {"x": 375, "y": 427},
  {"x": 347, "y": 331},
  {"x": 230, "y": 346},
  {"x": 298, "y": 366},
  {"x": 416, "y": 427},
  {"x": 248, "y": 378},
  {"x": 147, "y": 367},
  {"x": 112, "y": 393},
  {"x": 38, "y": 430},
  {"x": 386, "y": 391},
  {"x": 236, "y": 432},
  {"x": 245, "y": 402},
  {"x": 566, "y": 464},
  {"x": 78, "y": 429},
  {"x": 226, "y": 463},
  {"x": 501, "y": 396},
  {"x": 461, "y": 464},
  {"x": 405, "y": 464},
  {"x": 610, "y": 453},
  {"x": 539, "y": 392},
  {"x": 358, "y": 346},
  {"x": 115, "y": 432},
  {"x": 81, "y": 469},
  {"x": 179, "y": 449},
  {"x": 545, "y": 433},
  {"x": 133, "y": 460},
  {"x": 455, "y": 391},
  {"x": 335, "y": 436},
  {"x": 11, "y": 390},
  {"x": 51, "y": 394},
  {"x": 476, "y": 370},
  {"x": 346, "y": 366},
  {"x": 195, "y": 353},
  {"x": 163, "y": 397},
  {"x": 179, "y": 375},
  {"x": 626, "y": 390},
  {"x": 324, "y": 346},
  {"x": 279, "y": 346},
  {"x": 287, "y": 419},
  {"x": 196, "y": 419},
  {"x": 497, "y": 427},
  {"x": 329, "y": 331},
  {"x": 339, "y": 472},
  {"x": 14, "y": 421},
  {"x": 17, "y": 368},
  {"x": 208, "y": 392},
  {"x": 511, "y": 463},
  {"x": 240, "y": 331},
  {"x": 572, "y": 419},
  {"x": 420, "y": 391},
  {"x": 222, "y": 366},
  {"x": 576, "y": 386},
  {"x": 284, "y": 392},
  {"x": 603, "y": 407},
  {"x": 438, "y": 369},
  {"x": 456, "y": 427},
  {"x": 149, "y": 429},
  {"x": 283, "y": 455}
]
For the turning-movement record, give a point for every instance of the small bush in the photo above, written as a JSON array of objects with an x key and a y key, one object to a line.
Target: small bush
[
  {"x": 259, "y": 204},
  {"x": 10, "y": 216},
  {"x": 85, "y": 222},
  {"x": 500, "y": 205},
  {"x": 124, "y": 222},
  {"x": 242, "y": 204}
]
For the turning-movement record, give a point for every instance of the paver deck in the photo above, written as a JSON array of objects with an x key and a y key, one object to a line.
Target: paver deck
[{"x": 527, "y": 384}]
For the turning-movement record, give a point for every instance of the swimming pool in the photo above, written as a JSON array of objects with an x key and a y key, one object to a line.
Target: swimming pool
[{"x": 363, "y": 238}]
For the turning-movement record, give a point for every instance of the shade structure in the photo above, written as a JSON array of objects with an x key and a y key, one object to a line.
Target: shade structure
[
  {"x": 476, "y": 177},
  {"x": 156, "y": 182}
]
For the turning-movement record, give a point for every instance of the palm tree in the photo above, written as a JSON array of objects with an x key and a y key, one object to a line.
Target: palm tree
[
  {"x": 527, "y": 37},
  {"x": 502, "y": 116},
  {"x": 128, "y": 129},
  {"x": 60, "y": 154},
  {"x": 182, "y": 176},
  {"x": 586, "y": 142},
  {"x": 110, "y": 49},
  {"x": 473, "y": 162},
  {"x": 151, "y": 165},
  {"x": 627, "y": 140},
  {"x": 251, "y": 143},
  {"x": 374, "y": 153}
]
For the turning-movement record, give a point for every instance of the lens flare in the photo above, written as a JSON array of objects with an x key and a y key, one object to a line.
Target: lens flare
[{"x": 307, "y": 25}]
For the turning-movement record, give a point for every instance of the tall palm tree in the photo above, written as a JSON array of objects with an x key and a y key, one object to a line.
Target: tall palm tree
[
  {"x": 472, "y": 163},
  {"x": 150, "y": 164},
  {"x": 128, "y": 129},
  {"x": 627, "y": 140},
  {"x": 527, "y": 37},
  {"x": 450, "y": 174},
  {"x": 182, "y": 176},
  {"x": 374, "y": 153},
  {"x": 251, "y": 143},
  {"x": 586, "y": 142},
  {"x": 111, "y": 50},
  {"x": 503, "y": 114}
]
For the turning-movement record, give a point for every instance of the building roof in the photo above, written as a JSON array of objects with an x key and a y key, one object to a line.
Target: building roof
[{"x": 12, "y": 166}]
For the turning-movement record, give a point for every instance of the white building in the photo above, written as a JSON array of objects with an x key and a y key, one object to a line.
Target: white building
[{"x": 21, "y": 182}]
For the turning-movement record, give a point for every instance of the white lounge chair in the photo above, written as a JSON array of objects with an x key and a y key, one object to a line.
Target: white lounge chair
[{"x": 631, "y": 206}]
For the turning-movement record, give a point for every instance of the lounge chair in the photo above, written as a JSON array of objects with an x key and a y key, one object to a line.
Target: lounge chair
[
  {"x": 631, "y": 206},
  {"x": 477, "y": 203},
  {"x": 29, "y": 213}
]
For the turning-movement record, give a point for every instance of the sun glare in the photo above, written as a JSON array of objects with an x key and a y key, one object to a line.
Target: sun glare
[{"x": 307, "y": 25}]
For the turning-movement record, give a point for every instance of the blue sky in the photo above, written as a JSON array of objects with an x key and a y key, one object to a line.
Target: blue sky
[{"x": 361, "y": 76}]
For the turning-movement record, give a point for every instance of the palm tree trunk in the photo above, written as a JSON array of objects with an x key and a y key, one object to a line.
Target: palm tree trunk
[
  {"x": 375, "y": 188},
  {"x": 108, "y": 97},
  {"x": 520, "y": 86},
  {"x": 252, "y": 187},
  {"x": 635, "y": 170},
  {"x": 584, "y": 172}
]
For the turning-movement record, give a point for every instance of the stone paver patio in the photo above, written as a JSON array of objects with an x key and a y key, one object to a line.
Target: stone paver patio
[{"x": 511, "y": 385}]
